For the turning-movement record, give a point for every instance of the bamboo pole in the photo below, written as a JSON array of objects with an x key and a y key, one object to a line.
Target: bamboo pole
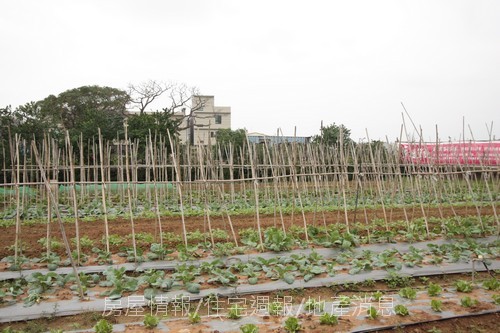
[
  {"x": 49, "y": 204},
  {"x": 179, "y": 188},
  {"x": 256, "y": 192},
  {"x": 344, "y": 181},
  {"x": 103, "y": 191},
  {"x": 18, "y": 206},
  {"x": 73, "y": 193},
  {"x": 220, "y": 189},
  {"x": 276, "y": 183},
  {"x": 378, "y": 181},
  {"x": 83, "y": 177},
  {"x": 129, "y": 194},
  {"x": 400, "y": 178},
  {"x": 205, "y": 197},
  {"x": 418, "y": 187},
  {"x": 296, "y": 187},
  {"x": 231, "y": 172},
  {"x": 59, "y": 219}
]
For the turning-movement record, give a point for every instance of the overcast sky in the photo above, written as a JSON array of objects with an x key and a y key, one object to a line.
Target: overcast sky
[{"x": 278, "y": 64}]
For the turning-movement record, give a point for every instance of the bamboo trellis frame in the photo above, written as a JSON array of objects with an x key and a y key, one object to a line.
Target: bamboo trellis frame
[{"x": 281, "y": 174}]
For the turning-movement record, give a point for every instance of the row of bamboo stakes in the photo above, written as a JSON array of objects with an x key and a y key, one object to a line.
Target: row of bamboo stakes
[{"x": 275, "y": 173}]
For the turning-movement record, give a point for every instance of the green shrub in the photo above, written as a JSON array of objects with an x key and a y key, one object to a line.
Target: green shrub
[
  {"x": 194, "y": 317},
  {"x": 372, "y": 312},
  {"x": 401, "y": 310},
  {"x": 54, "y": 243},
  {"x": 468, "y": 302},
  {"x": 275, "y": 308},
  {"x": 292, "y": 325},
  {"x": 377, "y": 295},
  {"x": 103, "y": 326},
  {"x": 234, "y": 312},
  {"x": 436, "y": 305},
  {"x": 434, "y": 289},
  {"x": 408, "y": 293},
  {"x": 463, "y": 286},
  {"x": 249, "y": 328},
  {"x": 314, "y": 305},
  {"x": 151, "y": 321},
  {"x": 85, "y": 242},
  {"x": 491, "y": 284},
  {"x": 328, "y": 319},
  {"x": 344, "y": 301},
  {"x": 276, "y": 240},
  {"x": 395, "y": 280}
]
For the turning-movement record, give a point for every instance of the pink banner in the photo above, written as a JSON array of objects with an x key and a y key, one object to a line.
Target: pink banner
[{"x": 464, "y": 153}]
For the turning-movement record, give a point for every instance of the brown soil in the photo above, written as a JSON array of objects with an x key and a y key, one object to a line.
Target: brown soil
[
  {"x": 477, "y": 324},
  {"x": 95, "y": 229},
  {"x": 88, "y": 320}
]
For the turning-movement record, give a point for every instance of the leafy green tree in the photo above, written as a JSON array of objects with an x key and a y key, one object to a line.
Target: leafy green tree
[
  {"x": 141, "y": 125},
  {"x": 158, "y": 123},
  {"x": 378, "y": 148},
  {"x": 85, "y": 109},
  {"x": 225, "y": 136},
  {"x": 330, "y": 135},
  {"x": 225, "y": 139},
  {"x": 32, "y": 122},
  {"x": 6, "y": 123},
  {"x": 26, "y": 121}
]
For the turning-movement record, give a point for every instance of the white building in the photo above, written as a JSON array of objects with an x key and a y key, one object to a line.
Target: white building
[{"x": 200, "y": 123}]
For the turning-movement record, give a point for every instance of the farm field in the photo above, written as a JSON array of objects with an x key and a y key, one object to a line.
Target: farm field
[
  {"x": 294, "y": 238},
  {"x": 148, "y": 231},
  {"x": 325, "y": 266}
]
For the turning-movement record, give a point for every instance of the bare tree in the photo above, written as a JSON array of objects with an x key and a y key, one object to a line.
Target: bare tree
[
  {"x": 197, "y": 103},
  {"x": 184, "y": 101},
  {"x": 146, "y": 92},
  {"x": 181, "y": 97}
]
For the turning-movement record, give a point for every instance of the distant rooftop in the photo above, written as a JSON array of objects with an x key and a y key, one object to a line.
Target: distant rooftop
[{"x": 256, "y": 137}]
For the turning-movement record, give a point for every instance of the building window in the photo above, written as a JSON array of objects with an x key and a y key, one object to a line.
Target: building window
[
  {"x": 213, "y": 134},
  {"x": 218, "y": 119}
]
